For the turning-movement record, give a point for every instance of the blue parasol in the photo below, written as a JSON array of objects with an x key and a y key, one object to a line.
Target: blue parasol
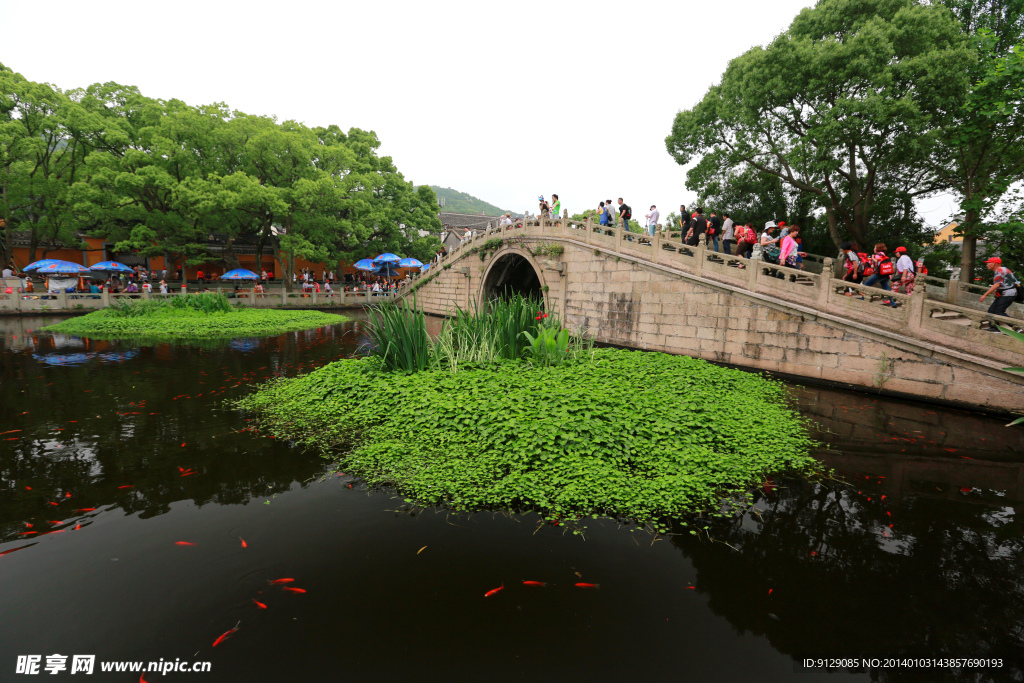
[
  {"x": 426, "y": 267},
  {"x": 39, "y": 264},
  {"x": 111, "y": 267},
  {"x": 387, "y": 258},
  {"x": 410, "y": 263},
  {"x": 387, "y": 270},
  {"x": 365, "y": 264},
  {"x": 62, "y": 267},
  {"x": 239, "y": 274}
]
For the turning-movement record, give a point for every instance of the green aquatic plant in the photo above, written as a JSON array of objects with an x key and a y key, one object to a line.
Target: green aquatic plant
[
  {"x": 174, "y": 322},
  {"x": 549, "y": 347},
  {"x": 645, "y": 436},
  {"x": 398, "y": 337}
]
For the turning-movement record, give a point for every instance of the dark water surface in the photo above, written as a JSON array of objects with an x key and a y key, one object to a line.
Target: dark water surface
[{"x": 817, "y": 572}]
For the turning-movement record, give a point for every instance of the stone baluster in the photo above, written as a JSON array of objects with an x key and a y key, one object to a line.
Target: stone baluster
[
  {"x": 589, "y": 228},
  {"x": 698, "y": 252},
  {"x": 656, "y": 246},
  {"x": 952, "y": 290},
  {"x": 825, "y": 284},
  {"x": 917, "y": 312}
]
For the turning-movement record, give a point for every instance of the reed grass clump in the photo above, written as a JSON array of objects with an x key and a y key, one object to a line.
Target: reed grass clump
[{"x": 512, "y": 328}]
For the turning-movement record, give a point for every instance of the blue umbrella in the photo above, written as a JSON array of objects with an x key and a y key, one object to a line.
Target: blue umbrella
[
  {"x": 239, "y": 274},
  {"x": 387, "y": 270},
  {"x": 387, "y": 258},
  {"x": 111, "y": 266},
  {"x": 426, "y": 267},
  {"x": 365, "y": 264},
  {"x": 64, "y": 267},
  {"x": 410, "y": 263},
  {"x": 39, "y": 264}
]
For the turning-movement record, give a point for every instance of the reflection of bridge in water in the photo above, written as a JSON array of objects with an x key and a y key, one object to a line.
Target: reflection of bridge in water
[
  {"x": 916, "y": 450},
  {"x": 660, "y": 294}
]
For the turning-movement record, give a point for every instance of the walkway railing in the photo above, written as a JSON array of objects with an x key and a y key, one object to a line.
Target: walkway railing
[
  {"x": 64, "y": 301},
  {"x": 934, "y": 314}
]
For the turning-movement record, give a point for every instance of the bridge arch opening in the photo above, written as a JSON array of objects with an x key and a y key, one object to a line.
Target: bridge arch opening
[{"x": 509, "y": 275}]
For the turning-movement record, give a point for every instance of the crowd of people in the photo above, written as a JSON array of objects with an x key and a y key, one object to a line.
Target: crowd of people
[{"x": 780, "y": 244}]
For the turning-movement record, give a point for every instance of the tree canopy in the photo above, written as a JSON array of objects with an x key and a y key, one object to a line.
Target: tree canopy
[
  {"x": 858, "y": 108},
  {"x": 161, "y": 176}
]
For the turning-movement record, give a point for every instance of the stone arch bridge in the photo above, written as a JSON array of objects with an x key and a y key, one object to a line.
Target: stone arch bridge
[{"x": 659, "y": 294}]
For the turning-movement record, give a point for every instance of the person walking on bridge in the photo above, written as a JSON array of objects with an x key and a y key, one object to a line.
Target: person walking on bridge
[
  {"x": 728, "y": 234},
  {"x": 652, "y": 220},
  {"x": 625, "y": 213},
  {"x": 1004, "y": 288},
  {"x": 698, "y": 226}
]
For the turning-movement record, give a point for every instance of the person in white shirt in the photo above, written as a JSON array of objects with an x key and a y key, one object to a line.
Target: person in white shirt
[
  {"x": 163, "y": 286},
  {"x": 652, "y": 220},
  {"x": 147, "y": 288},
  {"x": 8, "y": 272},
  {"x": 905, "y": 272},
  {"x": 327, "y": 286},
  {"x": 506, "y": 220}
]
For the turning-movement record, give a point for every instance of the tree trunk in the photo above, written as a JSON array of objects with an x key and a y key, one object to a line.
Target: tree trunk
[
  {"x": 970, "y": 248},
  {"x": 229, "y": 259}
]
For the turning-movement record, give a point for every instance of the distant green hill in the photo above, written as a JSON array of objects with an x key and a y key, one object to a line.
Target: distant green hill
[{"x": 460, "y": 202}]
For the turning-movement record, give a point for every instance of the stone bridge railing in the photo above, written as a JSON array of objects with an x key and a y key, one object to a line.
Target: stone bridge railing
[
  {"x": 42, "y": 301},
  {"x": 933, "y": 316}
]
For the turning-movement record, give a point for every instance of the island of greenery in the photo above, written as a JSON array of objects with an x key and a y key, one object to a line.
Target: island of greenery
[
  {"x": 195, "y": 316},
  {"x": 504, "y": 411}
]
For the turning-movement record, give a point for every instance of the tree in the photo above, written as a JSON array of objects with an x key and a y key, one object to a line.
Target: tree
[
  {"x": 980, "y": 150},
  {"x": 837, "y": 107},
  {"x": 40, "y": 157}
]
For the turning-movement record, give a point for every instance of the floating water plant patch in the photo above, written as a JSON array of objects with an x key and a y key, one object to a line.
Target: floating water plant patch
[
  {"x": 200, "y": 316},
  {"x": 645, "y": 436}
]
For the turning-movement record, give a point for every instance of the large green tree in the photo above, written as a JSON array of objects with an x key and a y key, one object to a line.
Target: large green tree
[
  {"x": 40, "y": 157},
  {"x": 979, "y": 153},
  {"x": 837, "y": 107}
]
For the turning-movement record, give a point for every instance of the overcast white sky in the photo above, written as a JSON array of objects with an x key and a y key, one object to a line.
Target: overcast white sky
[{"x": 504, "y": 101}]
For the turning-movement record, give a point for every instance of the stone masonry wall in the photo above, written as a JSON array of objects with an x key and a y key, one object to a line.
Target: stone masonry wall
[{"x": 633, "y": 304}]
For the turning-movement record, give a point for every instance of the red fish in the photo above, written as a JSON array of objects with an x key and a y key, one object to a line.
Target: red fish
[
  {"x": 28, "y": 488},
  {"x": 260, "y": 604},
  {"x": 67, "y": 494},
  {"x": 85, "y": 509},
  {"x": 29, "y": 525},
  {"x": 12, "y": 438},
  {"x": 183, "y": 543},
  {"x": 15, "y": 549},
  {"x": 965, "y": 489},
  {"x": 10, "y": 431},
  {"x": 244, "y": 544},
  {"x": 53, "y": 521},
  {"x": 182, "y": 445},
  {"x": 224, "y": 635},
  {"x": 293, "y": 590},
  {"x": 142, "y": 678},
  {"x": 770, "y": 591},
  {"x": 52, "y": 503},
  {"x": 126, "y": 486},
  {"x": 77, "y": 527},
  {"x": 588, "y": 585},
  {"x": 494, "y": 591},
  {"x": 538, "y": 584},
  {"x": 813, "y": 553},
  {"x": 281, "y": 581},
  {"x": 691, "y": 588},
  {"x": 28, "y": 533}
]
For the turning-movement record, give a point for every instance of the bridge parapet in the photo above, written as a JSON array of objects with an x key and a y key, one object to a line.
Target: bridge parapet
[{"x": 937, "y": 321}]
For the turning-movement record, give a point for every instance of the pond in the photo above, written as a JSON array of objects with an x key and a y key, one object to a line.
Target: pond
[{"x": 168, "y": 519}]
